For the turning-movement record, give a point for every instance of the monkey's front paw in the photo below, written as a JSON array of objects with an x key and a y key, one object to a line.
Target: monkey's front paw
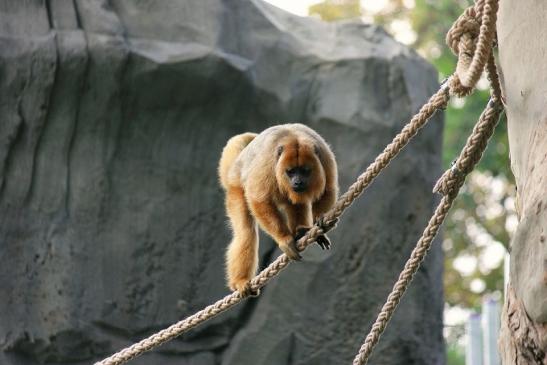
[
  {"x": 324, "y": 225},
  {"x": 301, "y": 232},
  {"x": 244, "y": 288},
  {"x": 322, "y": 240},
  {"x": 289, "y": 249}
]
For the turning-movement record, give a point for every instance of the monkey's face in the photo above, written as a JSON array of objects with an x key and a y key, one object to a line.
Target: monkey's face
[
  {"x": 299, "y": 172},
  {"x": 299, "y": 178}
]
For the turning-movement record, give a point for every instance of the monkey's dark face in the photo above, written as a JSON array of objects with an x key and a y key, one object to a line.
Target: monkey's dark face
[
  {"x": 299, "y": 172},
  {"x": 299, "y": 177}
]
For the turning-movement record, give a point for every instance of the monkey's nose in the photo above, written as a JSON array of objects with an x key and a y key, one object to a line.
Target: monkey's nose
[{"x": 299, "y": 186}]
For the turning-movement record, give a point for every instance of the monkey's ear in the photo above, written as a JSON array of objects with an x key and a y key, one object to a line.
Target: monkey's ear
[
  {"x": 316, "y": 150},
  {"x": 279, "y": 151}
]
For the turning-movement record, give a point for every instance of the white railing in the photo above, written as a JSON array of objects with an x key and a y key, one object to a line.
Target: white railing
[{"x": 482, "y": 331}]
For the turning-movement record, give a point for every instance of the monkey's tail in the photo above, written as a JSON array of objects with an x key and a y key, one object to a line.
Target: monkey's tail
[{"x": 230, "y": 152}]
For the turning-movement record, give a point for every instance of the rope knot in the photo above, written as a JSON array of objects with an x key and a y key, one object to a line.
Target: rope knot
[
  {"x": 467, "y": 24},
  {"x": 459, "y": 89},
  {"x": 450, "y": 182},
  {"x": 462, "y": 39},
  {"x": 471, "y": 38}
]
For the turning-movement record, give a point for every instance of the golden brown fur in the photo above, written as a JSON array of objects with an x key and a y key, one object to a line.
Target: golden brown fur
[{"x": 284, "y": 178}]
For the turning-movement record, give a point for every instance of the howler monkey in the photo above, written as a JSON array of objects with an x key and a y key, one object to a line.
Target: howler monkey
[{"x": 283, "y": 178}]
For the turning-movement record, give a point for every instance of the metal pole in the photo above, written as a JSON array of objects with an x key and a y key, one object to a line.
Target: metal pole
[
  {"x": 473, "y": 350},
  {"x": 490, "y": 330}
]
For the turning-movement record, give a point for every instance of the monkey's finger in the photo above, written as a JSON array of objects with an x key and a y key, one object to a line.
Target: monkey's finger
[
  {"x": 291, "y": 251},
  {"x": 249, "y": 291},
  {"x": 327, "y": 242},
  {"x": 320, "y": 242},
  {"x": 324, "y": 226},
  {"x": 301, "y": 232},
  {"x": 295, "y": 256},
  {"x": 246, "y": 290},
  {"x": 324, "y": 242},
  {"x": 253, "y": 292}
]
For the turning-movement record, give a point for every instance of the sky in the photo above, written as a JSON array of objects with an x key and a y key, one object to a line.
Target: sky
[
  {"x": 401, "y": 29},
  {"x": 300, "y": 7}
]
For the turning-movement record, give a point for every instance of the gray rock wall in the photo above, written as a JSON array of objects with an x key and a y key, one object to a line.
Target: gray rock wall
[{"x": 113, "y": 114}]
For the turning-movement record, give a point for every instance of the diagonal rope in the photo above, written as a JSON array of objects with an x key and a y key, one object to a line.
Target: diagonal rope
[
  {"x": 437, "y": 101},
  {"x": 449, "y": 183}
]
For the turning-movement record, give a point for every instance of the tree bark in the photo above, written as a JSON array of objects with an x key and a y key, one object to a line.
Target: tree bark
[{"x": 522, "y": 40}]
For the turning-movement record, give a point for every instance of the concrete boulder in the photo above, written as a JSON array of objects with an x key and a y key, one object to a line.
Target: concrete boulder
[{"x": 112, "y": 223}]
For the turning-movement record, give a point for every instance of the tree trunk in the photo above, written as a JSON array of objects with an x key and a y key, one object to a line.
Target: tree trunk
[{"x": 522, "y": 37}]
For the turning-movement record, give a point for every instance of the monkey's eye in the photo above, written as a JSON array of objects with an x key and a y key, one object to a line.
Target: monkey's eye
[
  {"x": 306, "y": 171},
  {"x": 291, "y": 172},
  {"x": 279, "y": 151}
]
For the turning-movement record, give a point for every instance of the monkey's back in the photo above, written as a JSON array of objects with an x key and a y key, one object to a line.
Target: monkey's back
[
  {"x": 257, "y": 155},
  {"x": 257, "y": 159}
]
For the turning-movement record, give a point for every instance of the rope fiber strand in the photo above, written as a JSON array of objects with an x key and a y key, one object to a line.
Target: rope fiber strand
[{"x": 472, "y": 34}]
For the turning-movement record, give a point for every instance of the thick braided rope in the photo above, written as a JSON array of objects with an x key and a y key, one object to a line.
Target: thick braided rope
[
  {"x": 493, "y": 77},
  {"x": 477, "y": 21},
  {"x": 449, "y": 185},
  {"x": 471, "y": 154},
  {"x": 404, "y": 280},
  {"x": 437, "y": 101},
  {"x": 453, "y": 178}
]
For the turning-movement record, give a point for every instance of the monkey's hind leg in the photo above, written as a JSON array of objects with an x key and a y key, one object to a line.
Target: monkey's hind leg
[{"x": 242, "y": 254}]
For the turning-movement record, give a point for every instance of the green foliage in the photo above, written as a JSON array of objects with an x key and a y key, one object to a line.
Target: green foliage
[
  {"x": 467, "y": 221},
  {"x": 455, "y": 355},
  {"x": 431, "y": 20}
]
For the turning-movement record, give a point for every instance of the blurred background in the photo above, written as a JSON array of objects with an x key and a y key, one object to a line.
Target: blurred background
[{"x": 480, "y": 225}]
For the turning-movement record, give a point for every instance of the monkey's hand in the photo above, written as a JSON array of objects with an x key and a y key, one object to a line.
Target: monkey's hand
[
  {"x": 244, "y": 288},
  {"x": 322, "y": 240},
  {"x": 289, "y": 248},
  {"x": 324, "y": 226},
  {"x": 301, "y": 232}
]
